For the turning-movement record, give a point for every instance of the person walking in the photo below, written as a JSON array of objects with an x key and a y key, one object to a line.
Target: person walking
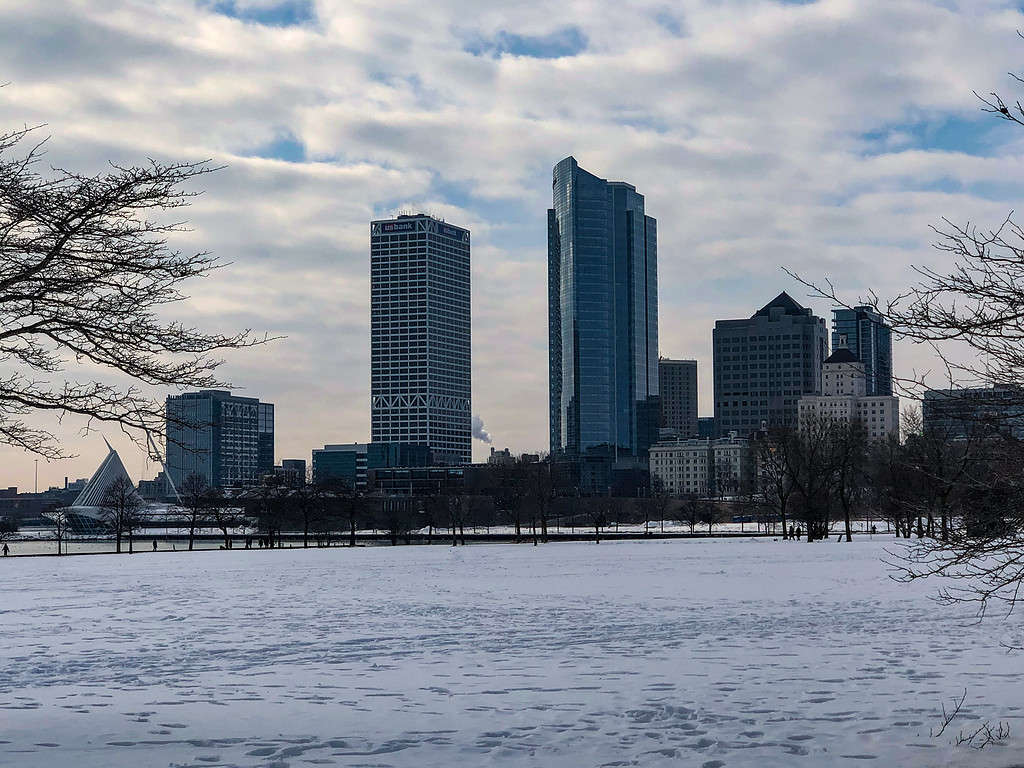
[
  {"x": 7, "y": 550},
  {"x": 154, "y": 545}
]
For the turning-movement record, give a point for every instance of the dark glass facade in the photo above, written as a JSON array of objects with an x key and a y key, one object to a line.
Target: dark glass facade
[
  {"x": 602, "y": 317},
  {"x": 763, "y": 365},
  {"x": 864, "y": 332},
  {"x": 226, "y": 439},
  {"x": 420, "y": 336}
]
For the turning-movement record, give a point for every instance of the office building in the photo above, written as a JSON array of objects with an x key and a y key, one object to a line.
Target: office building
[
  {"x": 420, "y": 336},
  {"x": 677, "y": 390},
  {"x": 225, "y": 439},
  {"x": 706, "y": 426},
  {"x": 975, "y": 412},
  {"x": 864, "y": 332},
  {"x": 844, "y": 398},
  {"x": 350, "y": 462},
  {"x": 602, "y": 319},
  {"x": 705, "y": 467},
  {"x": 763, "y": 365}
]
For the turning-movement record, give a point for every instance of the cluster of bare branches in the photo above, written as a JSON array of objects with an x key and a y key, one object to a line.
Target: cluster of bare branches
[
  {"x": 86, "y": 273},
  {"x": 961, "y": 486}
]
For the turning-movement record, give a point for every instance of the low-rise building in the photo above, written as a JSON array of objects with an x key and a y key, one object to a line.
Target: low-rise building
[
  {"x": 704, "y": 467},
  {"x": 844, "y": 398}
]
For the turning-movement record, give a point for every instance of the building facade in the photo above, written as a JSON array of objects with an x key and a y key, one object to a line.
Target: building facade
[
  {"x": 763, "y": 366},
  {"x": 974, "y": 412},
  {"x": 351, "y": 462},
  {"x": 420, "y": 364},
  {"x": 225, "y": 439},
  {"x": 705, "y": 467},
  {"x": 865, "y": 333},
  {"x": 602, "y": 318},
  {"x": 677, "y": 391},
  {"x": 844, "y": 398}
]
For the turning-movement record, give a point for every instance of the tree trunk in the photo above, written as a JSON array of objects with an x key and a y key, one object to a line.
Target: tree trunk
[
  {"x": 846, "y": 519},
  {"x": 117, "y": 538},
  {"x": 597, "y": 533},
  {"x": 352, "y": 531},
  {"x": 305, "y": 533},
  {"x": 544, "y": 528},
  {"x": 191, "y": 534},
  {"x": 462, "y": 534}
]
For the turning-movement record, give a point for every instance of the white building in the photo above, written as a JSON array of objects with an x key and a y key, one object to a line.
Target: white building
[
  {"x": 844, "y": 398},
  {"x": 702, "y": 467}
]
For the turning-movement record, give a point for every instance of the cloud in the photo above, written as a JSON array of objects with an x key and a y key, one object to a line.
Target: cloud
[{"x": 825, "y": 136}]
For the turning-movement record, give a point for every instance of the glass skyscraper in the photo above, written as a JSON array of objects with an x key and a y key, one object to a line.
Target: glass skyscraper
[
  {"x": 602, "y": 317},
  {"x": 227, "y": 440},
  {"x": 864, "y": 332},
  {"x": 420, "y": 372}
]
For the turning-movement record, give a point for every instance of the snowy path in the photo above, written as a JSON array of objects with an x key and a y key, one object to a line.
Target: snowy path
[{"x": 706, "y": 653}]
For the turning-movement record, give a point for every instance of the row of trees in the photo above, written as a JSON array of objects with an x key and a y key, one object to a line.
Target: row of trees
[{"x": 932, "y": 484}]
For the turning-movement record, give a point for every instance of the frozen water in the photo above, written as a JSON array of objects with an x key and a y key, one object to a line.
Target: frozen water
[{"x": 713, "y": 653}]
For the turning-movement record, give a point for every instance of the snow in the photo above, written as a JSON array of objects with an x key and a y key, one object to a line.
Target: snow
[{"x": 711, "y": 653}]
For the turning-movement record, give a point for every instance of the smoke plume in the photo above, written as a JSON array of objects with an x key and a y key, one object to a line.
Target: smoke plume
[{"x": 479, "y": 432}]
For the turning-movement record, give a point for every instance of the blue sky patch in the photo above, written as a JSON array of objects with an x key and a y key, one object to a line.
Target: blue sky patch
[
  {"x": 980, "y": 135},
  {"x": 567, "y": 41},
  {"x": 287, "y": 13},
  {"x": 284, "y": 147}
]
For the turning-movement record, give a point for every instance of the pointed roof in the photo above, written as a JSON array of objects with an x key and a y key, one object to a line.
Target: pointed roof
[
  {"x": 786, "y": 303},
  {"x": 110, "y": 470},
  {"x": 842, "y": 355}
]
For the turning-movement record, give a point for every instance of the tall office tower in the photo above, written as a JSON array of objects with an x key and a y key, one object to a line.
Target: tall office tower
[
  {"x": 602, "y": 317},
  {"x": 864, "y": 332},
  {"x": 227, "y": 440},
  {"x": 420, "y": 336},
  {"x": 677, "y": 388},
  {"x": 765, "y": 364}
]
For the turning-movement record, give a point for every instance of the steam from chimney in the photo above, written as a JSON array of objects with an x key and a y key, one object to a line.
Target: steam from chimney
[{"x": 479, "y": 432}]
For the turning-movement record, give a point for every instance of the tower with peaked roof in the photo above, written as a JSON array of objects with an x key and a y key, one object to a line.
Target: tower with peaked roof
[
  {"x": 764, "y": 364},
  {"x": 845, "y": 397}
]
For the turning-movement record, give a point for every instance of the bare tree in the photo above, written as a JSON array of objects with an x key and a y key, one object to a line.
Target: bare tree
[
  {"x": 120, "y": 510},
  {"x": 86, "y": 275},
  {"x": 690, "y": 512},
  {"x": 708, "y": 513},
  {"x": 61, "y": 520},
  {"x": 224, "y": 514},
  {"x": 775, "y": 480},
  {"x": 971, "y": 313},
  {"x": 195, "y": 501}
]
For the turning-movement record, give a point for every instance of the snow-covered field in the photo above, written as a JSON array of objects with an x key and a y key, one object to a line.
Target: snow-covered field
[{"x": 707, "y": 653}]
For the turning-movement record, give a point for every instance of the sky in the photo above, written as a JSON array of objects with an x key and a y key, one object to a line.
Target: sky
[{"x": 826, "y": 137}]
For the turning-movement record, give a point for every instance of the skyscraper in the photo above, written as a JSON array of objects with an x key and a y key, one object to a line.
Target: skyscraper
[
  {"x": 602, "y": 317},
  {"x": 677, "y": 388},
  {"x": 227, "y": 440},
  {"x": 764, "y": 364},
  {"x": 864, "y": 332},
  {"x": 420, "y": 336}
]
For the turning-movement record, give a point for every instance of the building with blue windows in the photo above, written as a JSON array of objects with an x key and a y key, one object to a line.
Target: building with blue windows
[
  {"x": 227, "y": 440},
  {"x": 865, "y": 333},
  {"x": 602, "y": 319},
  {"x": 420, "y": 376}
]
